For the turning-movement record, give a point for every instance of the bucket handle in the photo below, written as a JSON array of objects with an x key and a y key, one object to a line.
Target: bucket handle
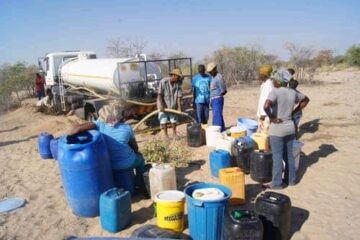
[{"x": 197, "y": 203}]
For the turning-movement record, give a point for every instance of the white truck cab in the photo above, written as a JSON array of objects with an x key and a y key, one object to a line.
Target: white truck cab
[{"x": 51, "y": 63}]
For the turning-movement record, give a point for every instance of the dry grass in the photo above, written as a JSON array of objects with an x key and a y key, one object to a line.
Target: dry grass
[{"x": 174, "y": 152}]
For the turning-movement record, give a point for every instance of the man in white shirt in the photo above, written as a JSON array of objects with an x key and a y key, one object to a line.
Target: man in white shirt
[{"x": 266, "y": 87}]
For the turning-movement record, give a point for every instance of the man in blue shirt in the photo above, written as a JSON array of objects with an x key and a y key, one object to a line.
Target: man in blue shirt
[
  {"x": 201, "y": 88},
  {"x": 120, "y": 140},
  {"x": 217, "y": 92}
]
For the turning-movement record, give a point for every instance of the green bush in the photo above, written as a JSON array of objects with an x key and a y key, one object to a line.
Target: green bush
[
  {"x": 353, "y": 55},
  {"x": 17, "y": 82}
]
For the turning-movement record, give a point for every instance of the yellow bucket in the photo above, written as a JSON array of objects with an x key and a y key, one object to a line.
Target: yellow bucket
[
  {"x": 237, "y": 132},
  {"x": 170, "y": 210}
]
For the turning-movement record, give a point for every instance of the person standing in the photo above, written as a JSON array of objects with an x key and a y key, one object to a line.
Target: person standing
[
  {"x": 39, "y": 86},
  {"x": 265, "y": 88},
  {"x": 279, "y": 108},
  {"x": 201, "y": 88},
  {"x": 217, "y": 92},
  {"x": 298, "y": 114},
  {"x": 169, "y": 96}
]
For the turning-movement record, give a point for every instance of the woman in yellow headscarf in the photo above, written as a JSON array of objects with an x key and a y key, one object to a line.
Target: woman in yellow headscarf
[{"x": 266, "y": 87}]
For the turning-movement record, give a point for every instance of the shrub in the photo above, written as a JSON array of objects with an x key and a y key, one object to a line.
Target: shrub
[
  {"x": 241, "y": 64},
  {"x": 353, "y": 55},
  {"x": 17, "y": 81},
  {"x": 157, "y": 152}
]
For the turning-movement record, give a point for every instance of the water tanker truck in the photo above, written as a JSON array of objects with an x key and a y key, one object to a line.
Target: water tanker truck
[{"x": 82, "y": 83}]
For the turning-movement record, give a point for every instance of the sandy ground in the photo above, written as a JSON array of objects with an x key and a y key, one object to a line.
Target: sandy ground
[{"x": 325, "y": 201}]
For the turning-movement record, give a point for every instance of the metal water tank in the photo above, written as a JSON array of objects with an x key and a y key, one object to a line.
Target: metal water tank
[{"x": 113, "y": 75}]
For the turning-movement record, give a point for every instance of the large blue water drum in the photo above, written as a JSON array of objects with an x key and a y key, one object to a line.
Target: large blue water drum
[
  {"x": 54, "y": 148},
  {"x": 85, "y": 170},
  {"x": 115, "y": 210},
  {"x": 250, "y": 125},
  {"x": 44, "y": 139},
  {"x": 206, "y": 216},
  {"x": 125, "y": 179},
  {"x": 219, "y": 159}
]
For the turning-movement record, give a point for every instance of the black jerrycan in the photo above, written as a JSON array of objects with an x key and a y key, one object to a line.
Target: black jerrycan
[
  {"x": 241, "y": 157},
  {"x": 194, "y": 135},
  {"x": 242, "y": 225},
  {"x": 274, "y": 210},
  {"x": 261, "y": 166}
]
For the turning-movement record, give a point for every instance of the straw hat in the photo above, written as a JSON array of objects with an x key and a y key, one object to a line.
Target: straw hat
[
  {"x": 176, "y": 72},
  {"x": 210, "y": 67}
]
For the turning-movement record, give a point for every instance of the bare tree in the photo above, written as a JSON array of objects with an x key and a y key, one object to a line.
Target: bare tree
[
  {"x": 126, "y": 48},
  {"x": 324, "y": 57},
  {"x": 114, "y": 47},
  {"x": 241, "y": 64},
  {"x": 155, "y": 56},
  {"x": 300, "y": 58}
]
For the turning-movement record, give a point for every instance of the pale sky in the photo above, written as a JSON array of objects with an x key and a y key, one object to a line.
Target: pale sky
[{"x": 29, "y": 29}]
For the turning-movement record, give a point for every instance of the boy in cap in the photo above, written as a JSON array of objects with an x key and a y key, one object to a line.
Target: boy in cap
[
  {"x": 201, "y": 88},
  {"x": 265, "y": 88},
  {"x": 279, "y": 108},
  {"x": 296, "y": 114},
  {"x": 169, "y": 96},
  {"x": 217, "y": 92}
]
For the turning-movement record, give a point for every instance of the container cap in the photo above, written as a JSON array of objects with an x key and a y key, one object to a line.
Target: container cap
[
  {"x": 161, "y": 166},
  {"x": 208, "y": 194},
  {"x": 240, "y": 214},
  {"x": 169, "y": 196}
]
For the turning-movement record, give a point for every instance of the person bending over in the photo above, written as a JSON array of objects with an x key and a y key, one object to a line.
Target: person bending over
[{"x": 120, "y": 140}]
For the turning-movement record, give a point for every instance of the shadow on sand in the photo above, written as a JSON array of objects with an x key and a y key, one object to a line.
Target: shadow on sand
[
  {"x": 12, "y": 129},
  {"x": 181, "y": 173},
  {"x": 2, "y": 144},
  {"x": 309, "y": 127},
  {"x": 312, "y": 158}
]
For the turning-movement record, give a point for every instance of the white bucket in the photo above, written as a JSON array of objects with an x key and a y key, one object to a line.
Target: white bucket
[
  {"x": 212, "y": 133},
  {"x": 208, "y": 194},
  {"x": 170, "y": 196},
  {"x": 225, "y": 143},
  {"x": 296, "y": 153}
]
